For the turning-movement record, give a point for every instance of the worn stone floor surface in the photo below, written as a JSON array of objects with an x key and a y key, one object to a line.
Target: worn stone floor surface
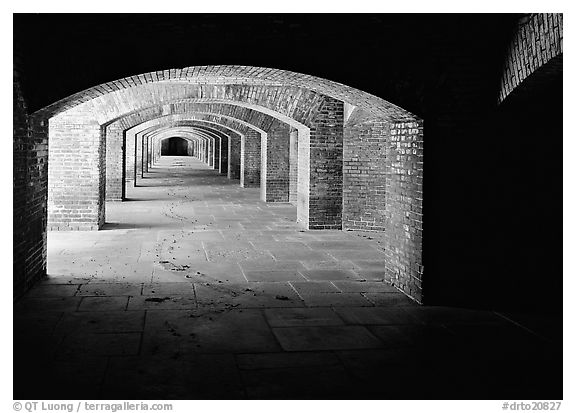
[{"x": 195, "y": 289}]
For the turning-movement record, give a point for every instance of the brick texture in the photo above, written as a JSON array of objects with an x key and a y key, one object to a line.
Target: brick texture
[
  {"x": 364, "y": 176},
  {"x": 323, "y": 148},
  {"x": 114, "y": 162},
  {"x": 403, "y": 232},
  {"x": 30, "y": 178},
  {"x": 275, "y": 163},
  {"x": 538, "y": 39},
  {"x": 293, "y": 196},
  {"x": 250, "y": 159},
  {"x": 77, "y": 172}
]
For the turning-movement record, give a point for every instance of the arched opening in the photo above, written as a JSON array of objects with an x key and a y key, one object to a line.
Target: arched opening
[{"x": 174, "y": 146}]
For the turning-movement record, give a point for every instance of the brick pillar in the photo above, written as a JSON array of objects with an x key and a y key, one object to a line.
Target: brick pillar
[
  {"x": 250, "y": 159},
  {"x": 293, "y": 189},
  {"x": 206, "y": 151},
  {"x": 364, "y": 175},
  {"x": 77, "y": 171},
  {"x": 144, "y": 155},
  {"x": 114, "y": 162},
  {"x": 149, "y": 154},
  {"x": 275, "y": 163},
  {"x": 30, "y": 181},
  {"x": 130, "y": 157},
  {"x": 234, "y": 147},
  {"x": 223, "y": 155},
  {"x": 320, "y": 169},
  {"x": 138, "y": 161},
  {"x": 403, "y": 234},
  {"x": 209, "y": 151},
  {"x": 216, "y": 164}
]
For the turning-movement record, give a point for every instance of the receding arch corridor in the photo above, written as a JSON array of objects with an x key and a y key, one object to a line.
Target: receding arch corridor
[{"x": 196, "y": 289}]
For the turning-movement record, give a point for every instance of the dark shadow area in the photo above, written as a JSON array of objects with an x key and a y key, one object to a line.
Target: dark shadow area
[{"x": 174, "y": 147}]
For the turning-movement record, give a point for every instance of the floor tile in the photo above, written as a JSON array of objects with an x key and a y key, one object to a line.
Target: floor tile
[
  {"x": 293, "y": 317},
  {"x": 325, "y": 338}
]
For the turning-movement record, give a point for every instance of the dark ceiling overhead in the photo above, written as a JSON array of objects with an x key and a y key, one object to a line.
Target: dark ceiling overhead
[{"x": 398, "y": 57}]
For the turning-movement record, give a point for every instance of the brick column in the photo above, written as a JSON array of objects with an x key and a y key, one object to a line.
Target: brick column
[
  {"x": 250, "y": 159},
  {"x": 275, "y": 163},
  {"x": 234, "y": 148},
  {"x": 403, "y": 234},
  {"x": 223, "y": 155},
  {"x": 209, "y": 151},
  {"x": 144, "y": 155},
  {"x": 77, "y": 172},
  {"x": 216, "y": 164},
  {"x": 293, "y": 189},
  {"x": 320, "y": 169},
  {"x": 150, "y": 152},
  {"x": 364, "y": 175},
  {"x": 114, "y": 162},
  {"x": 130, "y": 157},
  {"x": 138, "y": 162}
]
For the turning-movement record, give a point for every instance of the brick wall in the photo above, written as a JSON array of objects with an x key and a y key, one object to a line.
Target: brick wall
[
  {"x": 77, "y": 171},
  {"x": 138, "y": 160},
  {"x": 130, "y": 158},
  {"x": 250, "y": 159},
  {"x": 144, "y": 155},
  {"x": 114, "y": 162},
  {"x": 216, "y": 162},
  {"x": 403, "y": 233},
  {"x": 537, "y": 40},
  {"x": 30, "y": 181},
  {"x": 293, "y": 190},
  {"x": 234, "y": 146},
  {"x": 325, "y": 168},
  {"x": 364, "y": 176},
  {"x": 223, "y": 154},
  {"x": 275, "y": 163}
]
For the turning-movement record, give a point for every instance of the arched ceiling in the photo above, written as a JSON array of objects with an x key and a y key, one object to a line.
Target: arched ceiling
[{"x": 396, "y": 57}]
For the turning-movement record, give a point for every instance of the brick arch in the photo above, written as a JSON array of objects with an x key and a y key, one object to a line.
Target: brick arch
[
  {"x": 190, "y": 136},
  {"x": 235, "y": 82},
  {"x": 244, "y": 146},
  {"x": 153, "y": 137},
  {"x": 230, "y": 138},
  {"x": 536, "y": 47},
  {"x": 79, "y": 125}
]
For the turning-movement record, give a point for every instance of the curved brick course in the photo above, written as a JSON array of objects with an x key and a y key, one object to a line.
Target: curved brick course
[
  {"x": 237, "y": 82},
  {"x": 538, "y": 39}
]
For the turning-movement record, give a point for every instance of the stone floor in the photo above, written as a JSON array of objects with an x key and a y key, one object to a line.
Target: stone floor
[{"x": 195, "y": 289}]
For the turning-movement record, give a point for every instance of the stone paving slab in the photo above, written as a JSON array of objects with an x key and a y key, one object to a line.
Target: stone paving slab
[
  {"x": 335, "y": 300},
  {"x": 272, "y": 276},
  {"x": 259, "y": 361},
  {"x": 234, "y": 331},
  {"x": 181, "y": 376},
  {"x": 101, "y": 322},
  {"x": 226, "y": 320},
  {"x": 112, "y": 289},
  {"x": 326, "y": 338},
  {"x": 163, "y": 302},
  {"x": 252, "y": 295},
  {"x": 82, "y": 344},
  {"x": 103, "y": 303},
  {"x": 295, "y": 317},
  {"x": 321, "y": 382},
  {"x": 314, "y": 287},
  {"x": 329, "y": 275}
]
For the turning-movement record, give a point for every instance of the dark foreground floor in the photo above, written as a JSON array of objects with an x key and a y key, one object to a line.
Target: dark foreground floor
[{"x": 197, "y": 290}]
